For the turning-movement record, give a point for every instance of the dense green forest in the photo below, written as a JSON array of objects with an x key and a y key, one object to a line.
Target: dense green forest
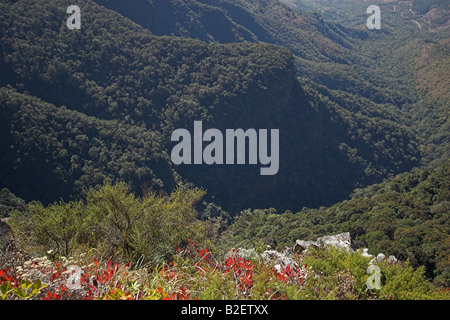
[
  {"x": 406, "y": 216},
  {"x": 87, "y": 117},
  {"x": 407, "y": 59},
  {"x": 113, "y": 73}
]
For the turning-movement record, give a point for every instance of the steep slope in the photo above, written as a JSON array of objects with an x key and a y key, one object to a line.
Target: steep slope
[
  {"x": 409, "y": 58},
  {"x": 406, "y": 216},
  {"x": 182, "y": 18},
  {"x": 324, "y": 51},
  {"x": 129, "y": 89},
  {"x": 230, "y": 21},
  {"x": 51, "y": 152}
]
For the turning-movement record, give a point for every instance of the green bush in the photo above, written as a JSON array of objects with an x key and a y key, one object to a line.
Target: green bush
[
  {"x": 343, "y": 275},
  {"x": 113, "y": 219}
]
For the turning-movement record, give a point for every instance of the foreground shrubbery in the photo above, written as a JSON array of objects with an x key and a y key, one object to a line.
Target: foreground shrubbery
[
  {"x": 114, "y": 245},
  {"x": 113, "y": 220},
  {"x": 196, "y": 274},
  {"x": 406, "y": 216}
]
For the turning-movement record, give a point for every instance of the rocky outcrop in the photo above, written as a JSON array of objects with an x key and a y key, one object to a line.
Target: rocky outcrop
[
  {"x": 381, "y": 257},
  {"x": 340, "y": 241},
  {"x": 281, "y": 261},
  {"x": 245, "y": 254},
  {"x": 392, "y": 259},
  {"x": 365, "y": 253}
]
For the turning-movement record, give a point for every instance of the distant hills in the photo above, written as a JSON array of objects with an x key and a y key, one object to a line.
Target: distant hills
[
  {"x": 100, "y": 103},
  {"x": 363, "y": 115},
  {"x": 406, "y": 216}
]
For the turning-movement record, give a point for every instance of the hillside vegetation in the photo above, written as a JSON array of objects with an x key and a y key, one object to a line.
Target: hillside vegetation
[
  {"x": 170, "y": 254},
  {"x": 82, "y": 107},
  {"x": 86, "y": 175},
  {"x": 406, "y": 217}
]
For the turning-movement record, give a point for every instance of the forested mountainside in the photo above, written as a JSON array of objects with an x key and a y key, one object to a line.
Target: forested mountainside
[
  {"x": 409, "y": 57},
  {"x": 233, "y": 21},
  {"x": 405, "y": 63},
  {"x": 406, "y": 216},
  {"x": 100, "y": 103},
  {"x": 87, "y": 116},
  {"x": 320, "y": 48},
  {"x": 401, "y": 65}
]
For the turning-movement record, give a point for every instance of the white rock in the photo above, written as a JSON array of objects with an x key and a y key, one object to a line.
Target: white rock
[
  {"x": 301, "y": 245},
  {"x": 365, "y": 253},
  {"x": 380, "y": 257},
  {"x": 279, "y": 259},
  {"x": 340, "y": 241},
  {"x": 392, "y": 260}
]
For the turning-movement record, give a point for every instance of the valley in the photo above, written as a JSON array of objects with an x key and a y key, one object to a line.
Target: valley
[{"x": 356, "y": 121}]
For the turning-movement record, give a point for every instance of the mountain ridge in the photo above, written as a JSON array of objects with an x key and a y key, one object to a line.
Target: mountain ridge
[{"x": 162, "y": 83}]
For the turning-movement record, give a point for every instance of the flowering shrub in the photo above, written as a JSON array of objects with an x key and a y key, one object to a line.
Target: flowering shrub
[
  {"x": 41, "y": 278},
  {"x": 232, "y": 278},
  {"x": 196, "y": 274}
]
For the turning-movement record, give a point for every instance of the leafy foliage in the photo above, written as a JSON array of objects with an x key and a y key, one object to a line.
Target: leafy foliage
[
  {"x": 87, "y": 117},
  {"x": 196, "y": 273},
  {"x": 406, "y": 217},
  {"x": 10, "y": 202},
  {"x": 146, "y": 229},
  {"x": 81, "y": 108}
]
